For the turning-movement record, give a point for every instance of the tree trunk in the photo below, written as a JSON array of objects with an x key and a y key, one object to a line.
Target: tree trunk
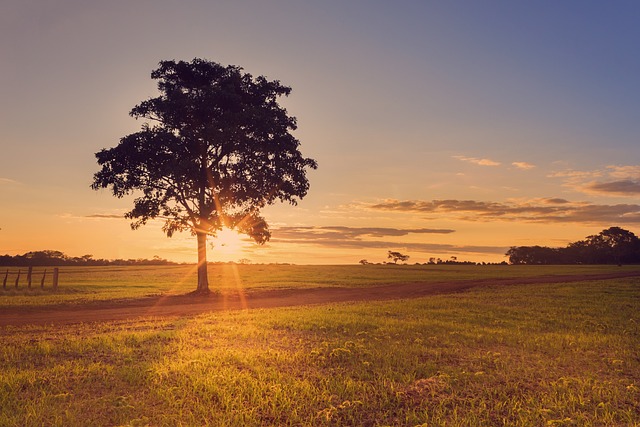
[{"x": 203, "y": 280}]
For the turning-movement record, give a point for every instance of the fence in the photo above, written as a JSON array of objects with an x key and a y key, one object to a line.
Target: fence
[{"x": 29, "y": 278}]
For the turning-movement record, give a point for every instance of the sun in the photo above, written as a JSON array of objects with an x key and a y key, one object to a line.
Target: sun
[{"x": 227, "y": 241}]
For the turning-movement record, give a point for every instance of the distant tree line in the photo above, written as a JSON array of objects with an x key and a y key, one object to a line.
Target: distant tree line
[
  {"x": 57, "y": 258},
  {"x": 611, "y": 246},
  {"x": 397, "y": 256},
  {"x": 452, "y": 261}
]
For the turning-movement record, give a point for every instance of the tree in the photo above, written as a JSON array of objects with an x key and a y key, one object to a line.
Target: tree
[
  {"x": 397, "y": 256},
  {"x": 614, "y": 245},
  {"x": 215, "y": 148},
  {"x": 363, "y": 262},
  {"x": 533, "y": 255}
]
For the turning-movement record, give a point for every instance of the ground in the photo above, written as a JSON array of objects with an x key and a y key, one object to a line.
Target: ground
[{"x": 189, "y": 305}]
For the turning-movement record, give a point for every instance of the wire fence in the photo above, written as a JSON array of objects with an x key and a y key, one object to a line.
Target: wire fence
[{"x": 30, "y": 278}]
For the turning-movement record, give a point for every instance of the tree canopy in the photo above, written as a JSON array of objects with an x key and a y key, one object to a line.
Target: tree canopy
[
  {"x": 614, "y": 245},
  {"x": 215, "y": 148},
  {"x": 397, "y": 256}
]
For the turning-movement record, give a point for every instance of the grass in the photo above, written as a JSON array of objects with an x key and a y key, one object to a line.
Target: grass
[
  {"x": 543, "y": 355},
  {"x": 80, "y": 285}
]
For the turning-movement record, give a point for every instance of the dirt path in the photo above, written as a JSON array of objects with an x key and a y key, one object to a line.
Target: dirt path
[{"x": 187, "y": 305}]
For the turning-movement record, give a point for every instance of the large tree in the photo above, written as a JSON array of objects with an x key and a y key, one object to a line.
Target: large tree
[{"x": 215, "y": 148}]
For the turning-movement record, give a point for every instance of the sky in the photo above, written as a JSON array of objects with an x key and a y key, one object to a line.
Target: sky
[{"x": 441, "y": 128}]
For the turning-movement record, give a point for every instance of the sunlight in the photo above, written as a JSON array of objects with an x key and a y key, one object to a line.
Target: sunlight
[{"x": 227, "y": 241}]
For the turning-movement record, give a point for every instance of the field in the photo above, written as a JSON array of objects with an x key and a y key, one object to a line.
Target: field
[
  {"x": 541, "y": 354},
  {"x": 80, "y": 285}
]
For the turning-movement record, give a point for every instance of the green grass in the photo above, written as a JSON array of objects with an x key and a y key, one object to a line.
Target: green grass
[
  {"x": 85, "y": 284},
  {"x": 534, "y": 355}
]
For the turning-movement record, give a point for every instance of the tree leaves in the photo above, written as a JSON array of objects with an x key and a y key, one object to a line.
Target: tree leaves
[
  {"x": 215, "y": 148},
  {"x": 613, "y": 245}
]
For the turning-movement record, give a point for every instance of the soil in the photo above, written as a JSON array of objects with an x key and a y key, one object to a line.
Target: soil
[{"x": 190, "y": 305}]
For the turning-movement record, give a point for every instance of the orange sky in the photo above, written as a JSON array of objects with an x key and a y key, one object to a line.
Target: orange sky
[{"x": 448, "y": 129}]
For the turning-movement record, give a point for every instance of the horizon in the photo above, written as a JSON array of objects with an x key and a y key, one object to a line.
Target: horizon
[
  {"x": 441, "y": 130},
  {"x": 232, "y": 244}
]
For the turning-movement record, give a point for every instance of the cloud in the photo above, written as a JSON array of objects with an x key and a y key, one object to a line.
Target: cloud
[
  {"x": 555, "y": 201},
  {"x": 618, "y": 188},
  {"x": 613, "y": 180},
  {"x": 352, "y": 238},
  {"x": 550, "y": 210},
  {"x": 104, "y": 216},
  {"x": 523, "y": 165},
  {"x": 350, "y": 233},
  {"x": 624, "y": 172},
  {"x": 8, "y": 181},
  {"x": 575, "y": 179},
  {"x": 475, "y": 161}
]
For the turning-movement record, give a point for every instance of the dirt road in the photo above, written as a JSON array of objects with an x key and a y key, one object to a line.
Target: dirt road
[{"x": 188, "y": 305}]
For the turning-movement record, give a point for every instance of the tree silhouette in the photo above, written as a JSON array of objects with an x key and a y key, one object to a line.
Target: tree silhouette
[
  {"x": 614, "y": 245},
  {"x": 397, "y": 256},
  {"x": 215, "y": 148}
]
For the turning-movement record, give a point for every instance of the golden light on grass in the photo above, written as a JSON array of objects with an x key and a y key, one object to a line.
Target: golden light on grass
[{"x": 538, "y": 347}]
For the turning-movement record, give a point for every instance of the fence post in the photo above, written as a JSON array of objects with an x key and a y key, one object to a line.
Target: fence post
[
  {"x": 55, "y": 278},
  {"x": 4, "y": 282},
  {"x": 29, "y": 272},
  {"x": 17, "y": 279},
  {"x": 43, "y": 276}
]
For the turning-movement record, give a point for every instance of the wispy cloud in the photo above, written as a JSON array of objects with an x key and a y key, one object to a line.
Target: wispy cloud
[
  {"x": 571, "y": 174},
  {"x": 523, "y": 165},
  {"x": 8, "y": 181},
  {"x": 352, "y": 238},
  {"x": 554, "y": 200},
  {"x": 104, "y": 216},
  {"x": 624, "y": 172},
  {"x": 614, "y": 180},
  {"x": 549, "y": 210},
  {"x": 92, "y": 217},
  {"x": 616, "y": 188},
  {"x": 625, "y": 182},
  {"x": 351, "y": 233},
  {"x": 476, "y": 161}
]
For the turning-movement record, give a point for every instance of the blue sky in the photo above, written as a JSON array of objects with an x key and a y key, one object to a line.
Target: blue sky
[{"x": 508, "y": 123}]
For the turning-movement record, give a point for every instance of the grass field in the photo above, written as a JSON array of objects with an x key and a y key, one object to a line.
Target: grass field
[
  {"x": 530, "y": 355},
  {"x": 85, "y": 284}
]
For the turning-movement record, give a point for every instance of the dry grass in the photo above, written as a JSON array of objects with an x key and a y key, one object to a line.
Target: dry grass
[
  {"x": 79, "y": 285},
  {"x": 544, "y": 355}
]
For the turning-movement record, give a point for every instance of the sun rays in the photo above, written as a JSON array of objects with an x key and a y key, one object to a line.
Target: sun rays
[{"x": 228, "y": 242}]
